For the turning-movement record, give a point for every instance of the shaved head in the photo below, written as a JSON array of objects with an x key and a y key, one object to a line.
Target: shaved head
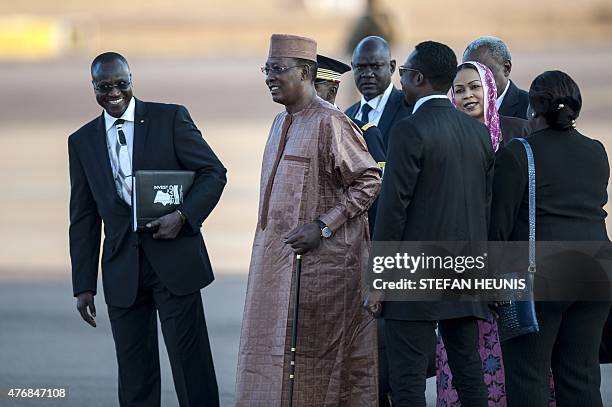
[
  {"x": 373, "y": 44},
  {"x": 108, "y": 58}
]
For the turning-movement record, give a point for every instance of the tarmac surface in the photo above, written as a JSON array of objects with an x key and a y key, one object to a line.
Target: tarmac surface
[{"x": 45, "y": 344}]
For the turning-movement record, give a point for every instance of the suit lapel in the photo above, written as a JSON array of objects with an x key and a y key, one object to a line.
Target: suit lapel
[
  {"x": 101, "y": 152},
  {"x": 508, "y": 106},
  {"x": 102, "y": 155},
  {"x": 352, "y": 111},
  {"x": 389, "y": 112},
  {"x": 141, "y": 131}
]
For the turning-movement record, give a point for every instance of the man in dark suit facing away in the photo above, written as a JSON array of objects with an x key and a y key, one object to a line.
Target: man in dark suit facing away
[
  {"x": 381, "y": 103},
  {"x": 436, "y": 188},
  {"x": 144, "y": 273},
  {"x": 494, "y": 54}
]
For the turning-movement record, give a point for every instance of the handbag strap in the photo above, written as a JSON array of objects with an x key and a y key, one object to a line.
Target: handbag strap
[{"x": 532, "y": 203}]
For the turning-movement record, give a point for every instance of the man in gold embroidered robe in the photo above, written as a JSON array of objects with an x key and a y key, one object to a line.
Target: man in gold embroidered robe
[{"x": 317, "y": 179}]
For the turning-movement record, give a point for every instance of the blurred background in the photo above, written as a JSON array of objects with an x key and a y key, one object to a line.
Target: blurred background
[{"x": 206, "y": 55}]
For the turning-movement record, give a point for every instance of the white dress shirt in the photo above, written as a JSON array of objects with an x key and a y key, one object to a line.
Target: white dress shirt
[
  {"x": 128, "y": 130},
  {"x": 378, "y": 104},
  {"x": 425, "y": 99},
  {"x": 500, "y": 98}
]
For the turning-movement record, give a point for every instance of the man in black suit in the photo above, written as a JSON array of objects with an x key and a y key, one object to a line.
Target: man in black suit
[
  {"x": 381, "y": 103},
  {"x": 161, "y": 270},
  {"x": 494, "y": 54},
  {"x": 436, "y": 188},
  {"x": 329, "y": 72}
]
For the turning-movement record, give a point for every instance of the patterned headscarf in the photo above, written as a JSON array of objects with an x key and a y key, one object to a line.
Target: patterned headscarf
[{"x": 491, "y": 116}]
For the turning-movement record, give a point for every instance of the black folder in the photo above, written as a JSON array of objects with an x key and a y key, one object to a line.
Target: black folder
[{"x": 158, "y": 193}]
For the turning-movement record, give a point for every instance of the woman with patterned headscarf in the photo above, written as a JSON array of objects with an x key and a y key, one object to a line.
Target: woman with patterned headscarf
[{"x": 474, "y": 93}]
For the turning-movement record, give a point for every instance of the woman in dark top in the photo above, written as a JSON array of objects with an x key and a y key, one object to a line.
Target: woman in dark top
[{"x": 572, "y": 174}]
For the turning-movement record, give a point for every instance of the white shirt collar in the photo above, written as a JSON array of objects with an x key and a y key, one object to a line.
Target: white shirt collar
[
  {"x": 128, "y": 115},
  {"x": 378, "y": 103},
  {"x": 500, "y": 98},
  {"x": 425, "y": 99}
]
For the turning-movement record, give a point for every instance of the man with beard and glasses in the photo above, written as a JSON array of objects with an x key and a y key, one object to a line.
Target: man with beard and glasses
[
  {"x": 160, "y": 271},
  {"x": 317, "y": 182},
  {"x": 381, "y": 103},
  {"x": 437, "y": 188}
]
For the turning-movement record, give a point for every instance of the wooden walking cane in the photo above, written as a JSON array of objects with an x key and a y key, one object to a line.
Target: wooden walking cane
[{"x": 296, "y": 303}]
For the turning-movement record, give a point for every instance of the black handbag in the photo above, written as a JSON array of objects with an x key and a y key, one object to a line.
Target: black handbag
[{"x": 518, "y": 318}]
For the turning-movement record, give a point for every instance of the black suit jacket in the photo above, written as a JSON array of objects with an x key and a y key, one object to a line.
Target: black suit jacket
[
  {"x": 376, "y": 148},
  {"x": 165, "y": 138},
  {"x": 395, "y": 110},
  {"x": 515, "y": 103},
  {"x": 572, "y": 174},
  {"x": 436, "y": 187}
]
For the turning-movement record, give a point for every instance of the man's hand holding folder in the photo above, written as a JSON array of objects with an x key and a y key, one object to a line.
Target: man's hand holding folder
[{"x": 168, "y": 226}]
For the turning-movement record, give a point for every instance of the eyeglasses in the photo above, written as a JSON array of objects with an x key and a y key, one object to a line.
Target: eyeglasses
[
  {"x": 107, "y": 88},
  {"x": 403, "y": 69},
  {"x": 266, "y": 70}
]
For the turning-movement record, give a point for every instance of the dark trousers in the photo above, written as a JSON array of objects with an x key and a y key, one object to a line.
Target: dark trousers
[
  {"x": 409, "y": 346},
  {"x": 184, "y": 329},
  {"x": 568, "y": 342}
]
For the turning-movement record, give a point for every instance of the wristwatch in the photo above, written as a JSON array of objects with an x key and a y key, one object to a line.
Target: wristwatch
[{"x": 326, "y": 232}]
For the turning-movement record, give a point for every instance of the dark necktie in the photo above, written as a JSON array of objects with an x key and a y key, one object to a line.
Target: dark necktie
[
  {"x": 365, "y": 113},
  {"x": 268, "y": 191},
  {"x": 123, "y": 164}
]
